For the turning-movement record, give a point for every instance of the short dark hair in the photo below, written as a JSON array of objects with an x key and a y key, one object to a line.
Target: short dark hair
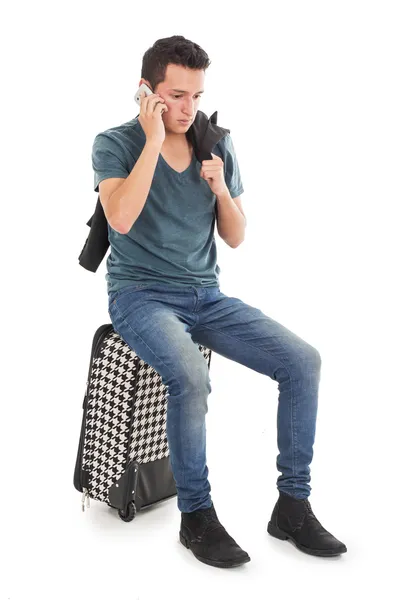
[{"x": 175, "y": 50}]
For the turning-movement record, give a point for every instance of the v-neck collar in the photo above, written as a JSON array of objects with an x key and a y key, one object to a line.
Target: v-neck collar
[{"x": 179, "y": 174}]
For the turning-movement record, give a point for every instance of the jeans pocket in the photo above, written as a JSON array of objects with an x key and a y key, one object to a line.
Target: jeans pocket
[{"x": 126, "y": 291}]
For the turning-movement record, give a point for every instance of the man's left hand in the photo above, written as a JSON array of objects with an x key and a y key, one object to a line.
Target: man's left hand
[{"x": 212, "y": 172}]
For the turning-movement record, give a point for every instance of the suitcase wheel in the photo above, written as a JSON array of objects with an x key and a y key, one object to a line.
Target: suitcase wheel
[{"x": 130, "y": 514}]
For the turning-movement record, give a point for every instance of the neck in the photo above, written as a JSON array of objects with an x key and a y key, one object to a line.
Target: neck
[
  {"x": 176, "y": 141},
  {"x": 175, "y": 138}
]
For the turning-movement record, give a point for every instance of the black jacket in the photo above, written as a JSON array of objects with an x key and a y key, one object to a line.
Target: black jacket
[{"x": 203, "y": 134}]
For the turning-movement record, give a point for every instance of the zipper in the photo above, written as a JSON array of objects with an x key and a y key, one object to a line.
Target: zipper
[{"x": 81, "y": 442}]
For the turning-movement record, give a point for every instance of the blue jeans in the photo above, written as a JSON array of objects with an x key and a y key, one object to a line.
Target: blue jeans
[{"x": 163, "y": 323}]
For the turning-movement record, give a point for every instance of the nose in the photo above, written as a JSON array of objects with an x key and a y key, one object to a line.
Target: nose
[{"x": 188, "y": 108}]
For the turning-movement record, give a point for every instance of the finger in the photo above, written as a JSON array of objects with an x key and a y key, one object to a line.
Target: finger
[
  {"x": 143, "y": 101},
  {"x": 152, "y": 101},
  {"x": 214, "y": 157},
  {"x": 212, "y": 163},
  {"x": 163, "y": 107},
  {"x": 149, "y": 102}
]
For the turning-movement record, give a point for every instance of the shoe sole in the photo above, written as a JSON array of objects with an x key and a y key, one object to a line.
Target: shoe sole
[
  {"x": 281, "y": 535},
  {"x": 213, "y": 563}
]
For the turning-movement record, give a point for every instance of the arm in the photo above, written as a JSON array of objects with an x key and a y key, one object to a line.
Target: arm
[
  {"x": 231, "y": 221},
  {"x": 127, "y": 201}
]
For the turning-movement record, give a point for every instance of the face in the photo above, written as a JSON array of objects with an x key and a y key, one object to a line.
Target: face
[{"x": 181, "y": 104}]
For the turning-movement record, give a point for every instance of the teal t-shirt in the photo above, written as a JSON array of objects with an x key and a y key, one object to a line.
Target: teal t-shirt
[{"x": 172, "y": 241}]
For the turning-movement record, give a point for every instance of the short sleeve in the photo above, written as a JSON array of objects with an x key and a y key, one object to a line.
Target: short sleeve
[
  {"x": 231, "y": 167},
  {"x": 107, "y": 159}
]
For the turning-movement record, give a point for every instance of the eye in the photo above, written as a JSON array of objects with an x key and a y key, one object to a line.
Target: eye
[{"x": 180, "y": 96}]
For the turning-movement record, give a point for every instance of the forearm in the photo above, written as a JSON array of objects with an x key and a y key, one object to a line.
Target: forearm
[
  {"x": 130, "y": 198},
  {"x": 231, "y": 222}
]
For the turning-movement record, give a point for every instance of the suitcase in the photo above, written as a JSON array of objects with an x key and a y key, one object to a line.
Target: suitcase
[{"x": 123, "y": 455}]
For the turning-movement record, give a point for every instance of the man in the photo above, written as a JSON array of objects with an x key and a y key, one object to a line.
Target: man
[{"x": 164, "y": 299}]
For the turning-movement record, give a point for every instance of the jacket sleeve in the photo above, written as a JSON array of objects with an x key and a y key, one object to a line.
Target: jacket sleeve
[
  {"x": 108, "y": 159},
  {"x": 225, "y": 149}
]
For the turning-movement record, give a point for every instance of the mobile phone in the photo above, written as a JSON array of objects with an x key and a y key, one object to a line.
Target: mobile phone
[{"x": 147, "y": 91}]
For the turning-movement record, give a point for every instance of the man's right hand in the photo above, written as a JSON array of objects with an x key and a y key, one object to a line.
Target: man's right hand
[{"x": 150, "y": 117}]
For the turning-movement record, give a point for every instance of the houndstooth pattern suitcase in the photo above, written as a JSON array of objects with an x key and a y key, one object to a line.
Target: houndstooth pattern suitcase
[{"x": 123, "y": 455}]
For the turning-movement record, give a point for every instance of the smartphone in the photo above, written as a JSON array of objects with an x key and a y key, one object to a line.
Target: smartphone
[{"x": 147, "y": 91}]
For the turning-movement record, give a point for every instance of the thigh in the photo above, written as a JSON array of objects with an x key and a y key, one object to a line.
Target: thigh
[
  {"x": 243, "y": 333},
  {"x": 159, "y": 336}
]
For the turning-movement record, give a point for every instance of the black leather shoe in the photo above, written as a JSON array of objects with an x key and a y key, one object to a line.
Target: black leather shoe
[
  {"x": 294, "y": 519},
  {"x": 203, "y": 534}
]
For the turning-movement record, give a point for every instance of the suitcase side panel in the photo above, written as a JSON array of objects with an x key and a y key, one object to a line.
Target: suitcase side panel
[
  {"x": 109, "y": 414},
  {"x": 80, "y": 478}
]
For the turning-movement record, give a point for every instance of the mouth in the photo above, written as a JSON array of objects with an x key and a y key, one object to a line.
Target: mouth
[{"x": 184, "y": 122}]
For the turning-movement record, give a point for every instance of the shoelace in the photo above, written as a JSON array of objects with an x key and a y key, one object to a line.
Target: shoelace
[
  {"x": 309, "y": 508},
  {"x": 210, "y": 519}
]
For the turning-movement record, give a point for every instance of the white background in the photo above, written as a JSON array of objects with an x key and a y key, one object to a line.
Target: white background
[{"x": 308, "y": 91}]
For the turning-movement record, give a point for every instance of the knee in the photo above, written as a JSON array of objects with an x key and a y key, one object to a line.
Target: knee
[
  {"x": 310, "y": 357},
  {"x": 192, "y": 381},
  {"x": 198, "y": 379},
  {"x": 189, "y": 393}
]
